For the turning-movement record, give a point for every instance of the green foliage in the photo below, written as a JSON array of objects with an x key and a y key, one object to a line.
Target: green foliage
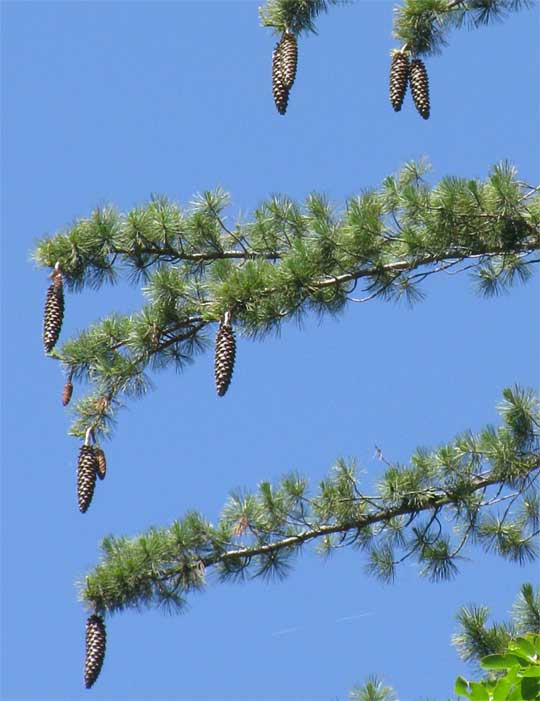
[
  {"x": 475, "y": 639},
  {"x": 372, "y": 690},
  {"x": 423, "y": 25},
  {"x": 297, "y": 16},
  {"x": 508, "y": 655},
  {"x": 288, "y": 261},
  {"x": 428, "y": 510},
  {"x": 516, "y": 673}
]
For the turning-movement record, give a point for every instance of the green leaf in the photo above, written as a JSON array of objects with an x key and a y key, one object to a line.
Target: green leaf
[
  {"x": 523, "y": 646},
  {"x": 501, "y": 661},
  {"x": 530, "y": 689},
  {"x": 501, "y": 690},
  {"x": 533, "y": 671},
  {"x": 516, "y": 694},
  {"x": 478, "y": 692},
  {"x": 461, "y": 686}
]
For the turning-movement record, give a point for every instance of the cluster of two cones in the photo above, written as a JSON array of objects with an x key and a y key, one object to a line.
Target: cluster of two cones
[
  {"x": 403, "y": 73},
  {"x": 284, "y": 63}
]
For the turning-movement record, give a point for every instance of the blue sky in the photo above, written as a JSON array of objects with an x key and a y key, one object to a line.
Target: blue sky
[{"x": 109, "y": 102}]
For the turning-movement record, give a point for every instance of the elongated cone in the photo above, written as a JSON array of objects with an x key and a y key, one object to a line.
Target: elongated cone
[
  {"x": 96, "y": 639},
  {"x": 399, "y": 77},
  {"x": 224, "y": 358},
  {"x": 53, "y": 314},
  {"x": 101, "y": 463},
  {"x": 279, "y": 91},
  {"x": 67, "y": 392},
  {"x": 289, "y": 59},
  {"x": 86, "y": 476},
  {"x": 419, "y": 81}
]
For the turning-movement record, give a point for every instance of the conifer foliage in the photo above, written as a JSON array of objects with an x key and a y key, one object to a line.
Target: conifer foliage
[
  {"x": 423, "y": 26},
  {"x": 225, "y": 355},
  {"x": 96, "y": 639},
  {"x": 54, "y": 310},
  {"x": 477, "y": 490},
  {"x": 289, "y": 259}
]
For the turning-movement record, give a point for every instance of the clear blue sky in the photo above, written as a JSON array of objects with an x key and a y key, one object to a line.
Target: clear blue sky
[{"x": 113, "y": 101}]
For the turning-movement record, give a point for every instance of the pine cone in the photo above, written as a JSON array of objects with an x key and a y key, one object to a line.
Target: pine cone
[
  {"x": 289, "y": 59},
  {"x": 96, "y": 639},
  {"x": 67, "y": 392},
  {"x": 279, "y": 91},
  {"x": 399, "y": 76},
  {"x": 101, "y": 463},
  {"x": 224, "y": 358},
  {"x": 418, "y": 79},
  {"x": 86, "y": 476},
  {"x": 54, "y": 313}
]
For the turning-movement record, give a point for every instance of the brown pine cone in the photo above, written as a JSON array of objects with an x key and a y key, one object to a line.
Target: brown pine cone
[
  {"x": 53, "y": 314},
  {"x": 279, "y": 90},
  {"x": 67, "y": 392},
  {"x": 86, "y": 476},
  {"x": 224, "y": 357},
  {"x": 419, "y": 81},
  {"x": 96, "y": 639},
  {"x": 399, "y": 77},
  {"x": 289, "y": 59},
  {"x": 101, "y": 463}
]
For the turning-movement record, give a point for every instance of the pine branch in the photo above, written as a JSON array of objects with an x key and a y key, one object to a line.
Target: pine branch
[
  {"x": 288, "y": 261},
  {"x": 258, "y": 534},
  {"x": 297, "y": 16},
  {"x": 373, "y": 690},
  {"x": 422, "y": 26}
]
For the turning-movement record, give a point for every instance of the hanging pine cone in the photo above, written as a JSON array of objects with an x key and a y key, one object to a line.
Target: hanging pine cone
[
  {"x": 289, "y": 59},
  {"x": 96, "y": 639},
  {"x": 279, "y": 91},
  {"x": 67, "y": 392},
  {"x": 399, "y": 77},
  {"x": 86, "y": 476},
  {"x": 224, "y": 358},
  {"x": 419, "y": 81},
  {"x": 54, "y": 313},
  {"x": 101, "y": 463}
]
